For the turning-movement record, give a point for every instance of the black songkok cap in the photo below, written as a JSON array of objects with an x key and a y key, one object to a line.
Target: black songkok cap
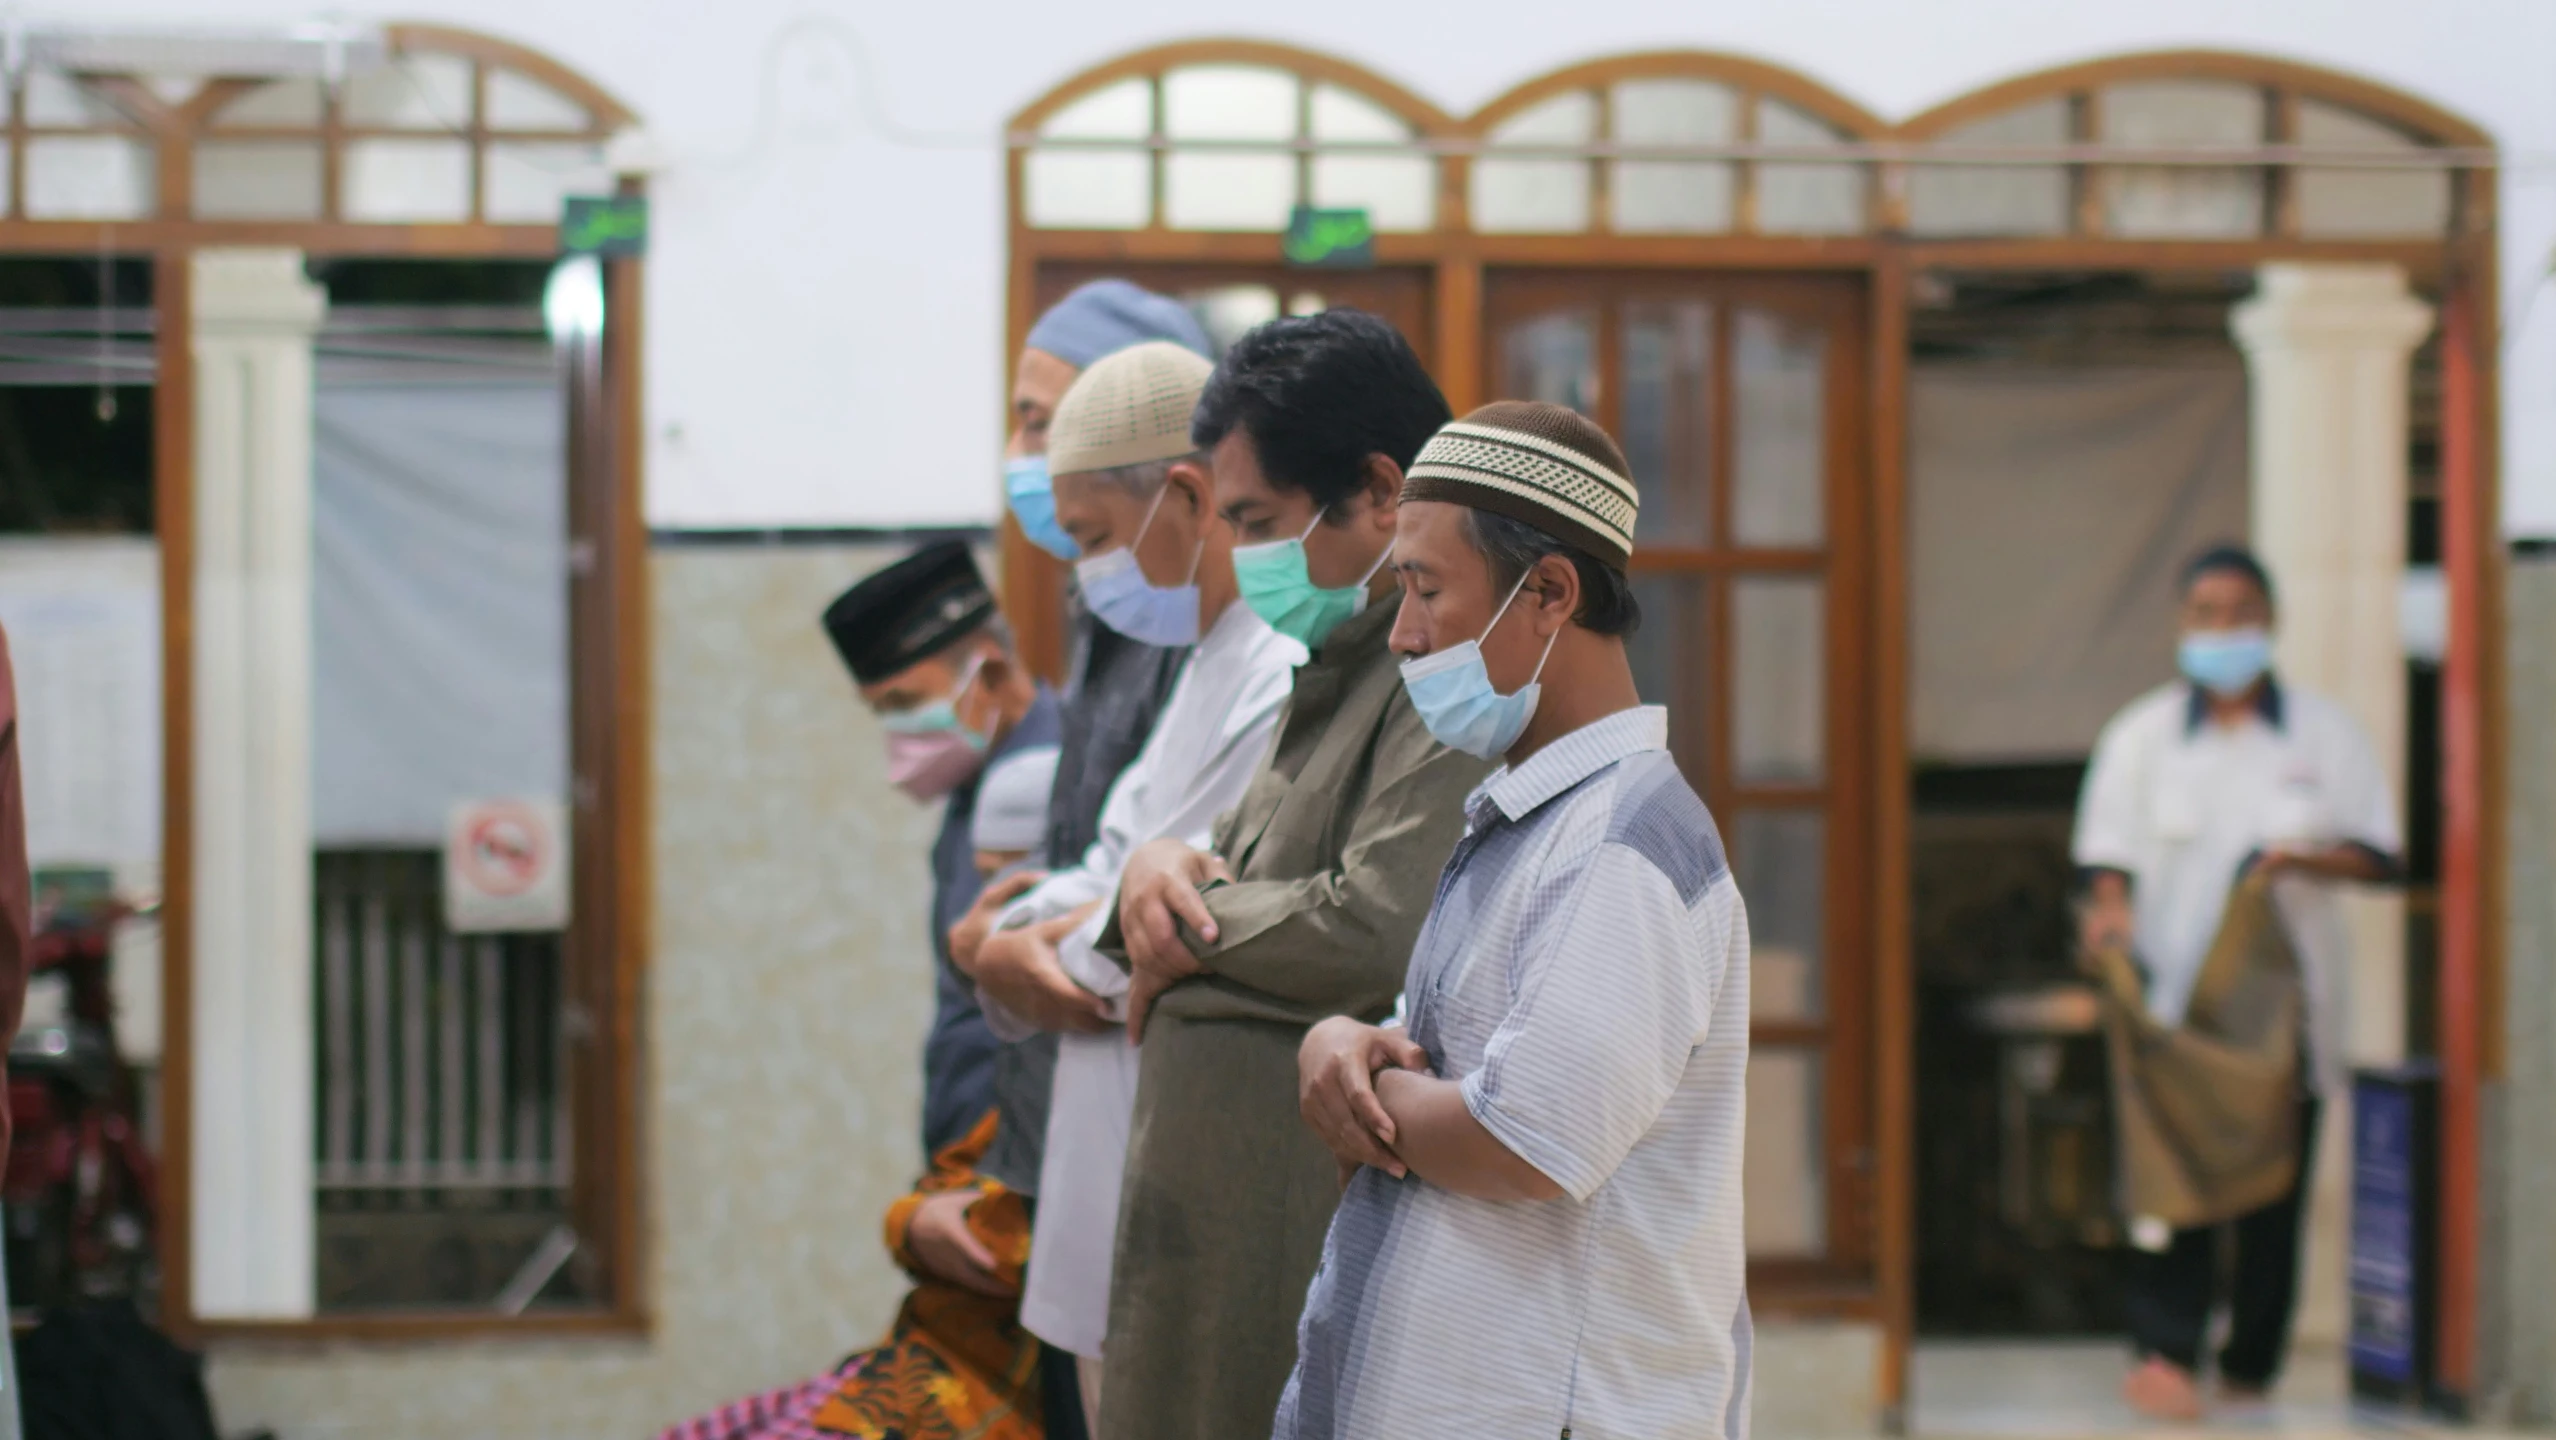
[{"x": 909, "y": 612}]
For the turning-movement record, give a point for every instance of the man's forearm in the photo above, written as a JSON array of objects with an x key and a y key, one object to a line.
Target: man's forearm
[{"x": 1437, "y": 1136}]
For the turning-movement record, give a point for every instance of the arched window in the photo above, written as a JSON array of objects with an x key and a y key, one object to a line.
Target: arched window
[
  {"x": 2188, "y": 145},
  {"x": 1679, "y": 143},
  {"x": 1225, "y": 136}
]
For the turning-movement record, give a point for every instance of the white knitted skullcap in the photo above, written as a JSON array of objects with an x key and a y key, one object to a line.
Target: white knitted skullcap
[
  {"x": 1128, "y": 408},
  {"x": 1011, "y": 801}
]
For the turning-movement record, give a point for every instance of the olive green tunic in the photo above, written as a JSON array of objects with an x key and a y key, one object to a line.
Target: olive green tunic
[{"x": 1337, "y": 847}]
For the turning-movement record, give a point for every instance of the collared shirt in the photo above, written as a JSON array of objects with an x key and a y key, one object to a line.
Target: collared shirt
[
  {"x": 1114, "y": 692},
  {"x": 1204, "y": 748},
  {"x": 959, "y": 1055},
  {"x": 2178, "y": 803},
  {"x": 1583, "y": 976}
]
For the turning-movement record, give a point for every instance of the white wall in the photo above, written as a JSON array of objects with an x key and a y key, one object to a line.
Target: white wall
[{"x": 825, "y": 329}]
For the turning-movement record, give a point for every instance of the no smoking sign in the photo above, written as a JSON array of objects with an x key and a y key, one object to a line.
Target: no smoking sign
[{"x": 505, "y": 866}]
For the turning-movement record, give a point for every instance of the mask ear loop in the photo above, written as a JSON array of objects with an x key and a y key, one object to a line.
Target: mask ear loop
[{"x": 1538, "y": 672}]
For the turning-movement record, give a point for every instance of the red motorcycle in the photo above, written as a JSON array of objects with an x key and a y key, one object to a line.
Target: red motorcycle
[{"x": 79, "y": 1188}]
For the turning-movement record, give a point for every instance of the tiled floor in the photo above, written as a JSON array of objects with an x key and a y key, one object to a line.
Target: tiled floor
[{"x": 2071, "y": 1390}]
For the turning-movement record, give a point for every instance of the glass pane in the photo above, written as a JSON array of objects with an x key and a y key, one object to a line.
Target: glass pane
[
  {"x": 57, "y": 99},
  {"x": 1537, "y": 195},
  {"x": 1778, "y": 679},
  {"x": 1346, "y": 115},
  {"x": 2182, "y": 202},
  {"x": 1666, "y": 427},
  {"x": 1228, "y": 310},
  {"x": 90, "y": 177},
  {"x": 1779, "y": 408},
  {"x": 1672, "y": 658},
  {"x": 1228, "y": 192},
  {"x": 2342, "y": 204},
  {"x": 1398, "y": 192},
  {"x": 1780, "y": 859},
  {"x": 528, "y": 182},
  {"x": 515, "y": 103},
  {"x": 1995, "y": 199},
  {"x": 1670, "y": 196},
  {"x": 416, "y": 92},
  {"x": 257, "y": 180},
  {"x": 286, "y": 102},
  {"x": 1805, "y": 199},
  {"x": 1089, "y": 190},
  {"x": 1552, "y": 358},
  {"x": 1783, "y": 1178},
  {"x": 1124, "y": 111},
  {"x": 402, "y": 180},
  {"x": 1229, "y": 102}
]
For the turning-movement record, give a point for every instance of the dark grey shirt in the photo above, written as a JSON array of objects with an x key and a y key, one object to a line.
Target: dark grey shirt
[{"x": 1114, "y": 692}]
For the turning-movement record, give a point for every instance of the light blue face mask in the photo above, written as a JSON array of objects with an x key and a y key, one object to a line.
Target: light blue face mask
[
  {"x": 2225, "y": 662},
  {"x": 1279, "y": 589},
  {"x": 1118, "y": 592},
  {"x": 1032, "y": 496},
  {"x": 1452, "y": 691}
]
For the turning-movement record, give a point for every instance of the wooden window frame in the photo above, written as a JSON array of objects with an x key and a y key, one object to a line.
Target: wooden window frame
[
  {"x": 608, "y": 944},
  {"x": 2459, "y": 263}
]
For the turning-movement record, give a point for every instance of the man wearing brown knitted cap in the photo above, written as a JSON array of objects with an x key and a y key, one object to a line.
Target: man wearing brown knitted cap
[
  {"x": 1541, "y": 1232},
  {"x": 1304, "y": 908}
]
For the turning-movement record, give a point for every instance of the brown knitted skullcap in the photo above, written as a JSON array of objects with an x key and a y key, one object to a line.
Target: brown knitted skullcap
[
  {"x": 1130, "y": 407},
  {"x": 1542, "y": 465}
]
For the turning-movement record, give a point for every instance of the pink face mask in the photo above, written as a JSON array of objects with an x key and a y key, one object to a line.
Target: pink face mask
[{"x": 930, "y": 764}]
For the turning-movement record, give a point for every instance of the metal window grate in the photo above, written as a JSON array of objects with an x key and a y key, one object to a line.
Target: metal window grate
[{"x": 442, "y": 1064}]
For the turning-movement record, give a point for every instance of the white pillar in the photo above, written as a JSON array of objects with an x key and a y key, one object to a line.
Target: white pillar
[
  {"x": 250, "y": 959},
  {"x": 2328, "y": 351}
]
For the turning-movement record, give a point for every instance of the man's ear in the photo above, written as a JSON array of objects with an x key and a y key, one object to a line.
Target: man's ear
[
  {"x": 1381, "y": 482},
  {"x": 1556, "y": 584},
  {"x": 1197, "y": 491}
]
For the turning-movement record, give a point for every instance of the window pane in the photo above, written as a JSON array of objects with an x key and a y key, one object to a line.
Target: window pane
[
  {"x": 1398, "y": 192},
  {"x": 1227, "y": 191},
  {"x": 1667, "y": 420},
  {"x": 57, "y": 99},
  {"x": 1779, "y": 659},
  {"x": 1671, "y": 196},
  {"x": 1779, "y": 406},
  {"x": 1780, "y": 859},
  {"x": 416, "y": 92},
  {"x": 1805, "y": 199},
  {"x": 1089, "y": 190},
  {"x": 1995, "y": 199},
  {"x": 401, "y": 180},
  {"x": 1672, "y": 658},
  {"x": 1229, "y": 102},
  {"x": 257, "y": 180},
  {"x": 1124, "y": 111},
  {"x": 528, "y": 183},
  {"x": 286, "y": 102},
  {"x": 1784, "y": 1180},
  {"x": 1228, "y": 310},
  {"x": 1537, "y": 195},
  {"x": 2182, "y": 202},
  {"x": 515, "y": 103},
  {"x": 1552, "y": 358},
  {"x": 1346, "y": 115},
  {"x": 2351, "y": 203},
  {"x": 90, "y": 177}
]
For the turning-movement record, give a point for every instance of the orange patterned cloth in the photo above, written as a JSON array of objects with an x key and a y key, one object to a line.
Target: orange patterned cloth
[{"x": 956, "y": 1365}]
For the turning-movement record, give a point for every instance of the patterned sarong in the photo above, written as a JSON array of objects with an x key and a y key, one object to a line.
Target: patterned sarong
[{"x": 956, "y": 1365}]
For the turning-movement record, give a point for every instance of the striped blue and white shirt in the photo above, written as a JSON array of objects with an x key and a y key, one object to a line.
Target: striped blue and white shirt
[{"x": 1584, "y": 975}]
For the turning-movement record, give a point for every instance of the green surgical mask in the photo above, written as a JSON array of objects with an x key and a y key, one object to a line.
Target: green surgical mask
[{"x": 1277, "y": 587}]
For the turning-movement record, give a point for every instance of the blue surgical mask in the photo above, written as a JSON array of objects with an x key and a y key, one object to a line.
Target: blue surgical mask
[
  {"x": 1279, "y": 589},
  {"x": 2225, "y": 662},
  {"x": 1118, "y": 592},
  {"x": 1032, "y": 496},
  {"x": 1452, "y": 691}
]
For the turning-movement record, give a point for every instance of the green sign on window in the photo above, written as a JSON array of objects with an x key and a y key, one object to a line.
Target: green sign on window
[
  {"x": 608, "y": 225},
  {"x": 1330, "y": 239}
]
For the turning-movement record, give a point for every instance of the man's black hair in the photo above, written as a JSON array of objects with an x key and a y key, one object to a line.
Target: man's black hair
[
  {"x": 2226, "y": 560},
  {"x": 1318, "y": 394},
  {"x": 1512, "y": 547}
]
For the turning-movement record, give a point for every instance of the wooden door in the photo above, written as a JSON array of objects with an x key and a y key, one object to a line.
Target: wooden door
[{"x": 1739, "y": 403}]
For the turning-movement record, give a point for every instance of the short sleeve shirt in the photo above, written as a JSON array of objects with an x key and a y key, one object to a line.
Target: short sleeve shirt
[
  {"x": 1584, "y": 976},
  {"x": 2178, "y": 803}
]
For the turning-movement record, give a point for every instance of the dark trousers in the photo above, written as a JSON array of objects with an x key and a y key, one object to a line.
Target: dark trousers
[
  {"x": 1061, "y": 1392},
  {"x": 2171, "y": 1293}
]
